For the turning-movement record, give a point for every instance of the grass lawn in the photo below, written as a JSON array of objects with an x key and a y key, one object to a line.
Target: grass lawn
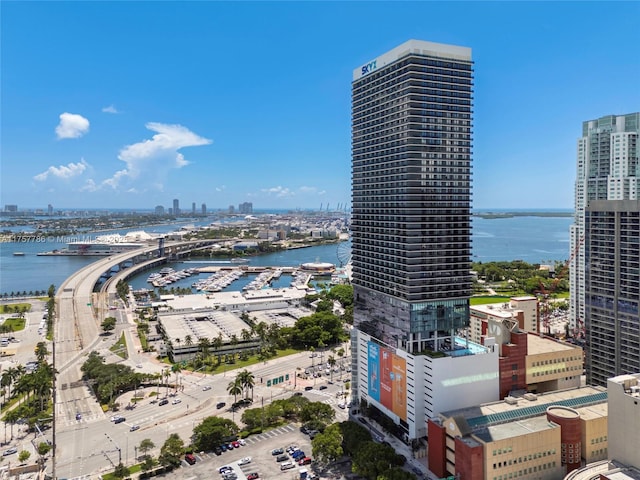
[
  {"x": 16, "y": 324},
  {"x": 120, "y": 348},
  {"x": 14, "y": 307},
  {"x": 132, "y": 469},
  {"x": 252, "y": 360},
  {"x": 484, "y": 299}
]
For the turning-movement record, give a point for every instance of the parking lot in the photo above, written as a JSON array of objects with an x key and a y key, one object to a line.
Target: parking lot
[{"x": 259, "y": 448}]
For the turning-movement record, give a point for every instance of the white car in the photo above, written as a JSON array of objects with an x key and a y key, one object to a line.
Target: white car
[
  {"x": 175, "y": 401},
  {"x": 244, "y": 461},
  {"x": 242, "y": 442},
  {"x": 206, "y": 387},
  {"x": 342, "y": 405}
]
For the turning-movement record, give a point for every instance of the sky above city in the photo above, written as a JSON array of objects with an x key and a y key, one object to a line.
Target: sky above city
[{"x": 133, "y": 104}]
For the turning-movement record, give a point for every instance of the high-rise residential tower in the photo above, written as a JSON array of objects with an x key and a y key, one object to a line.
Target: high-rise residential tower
[
  {"x": 612, "y": 288},
  {"x": 411, "y": 233},
  {"x": 176, "y": 206},
  {"x": 607, "y": 169}
]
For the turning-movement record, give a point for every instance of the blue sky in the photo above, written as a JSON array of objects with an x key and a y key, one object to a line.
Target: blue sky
[{"x": 132, "y": 104}]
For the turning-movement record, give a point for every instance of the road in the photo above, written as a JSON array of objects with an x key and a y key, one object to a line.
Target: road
[{"x": 91, "y": 444}]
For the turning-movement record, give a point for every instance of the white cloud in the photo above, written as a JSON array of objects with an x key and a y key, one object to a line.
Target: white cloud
[
  {"x": 279, "y": 191},
  {"x": 305, "y": 189},
  {"x": 110, "y": 109},
  {"x": 63, "y": 171},
  {"x": 149, "y": 161},
  {"x": 72, "y": 126},
  {"x": 89, "y": 186},
  {"x": 221, "y": 188}
]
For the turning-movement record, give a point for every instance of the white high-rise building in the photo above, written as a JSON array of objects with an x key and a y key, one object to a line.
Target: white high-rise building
[{"x": 607, "y": 169}]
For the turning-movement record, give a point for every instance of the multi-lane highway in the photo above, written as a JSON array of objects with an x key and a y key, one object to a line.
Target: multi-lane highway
[{"x": 87, "y": 441}]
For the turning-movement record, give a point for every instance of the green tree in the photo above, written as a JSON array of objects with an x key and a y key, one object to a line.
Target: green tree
[
  {"x": 121, "y": 471},
  {"x": 108, "y": 324},
  {"x": 172, "y": 450},
  {"x": 396, "y": 473},
  {"x": 41, "y": 351},
  {"x": 248, "y": 381},
  {"x": 146, "y": 446},
  {"x": 148, "y": 463},
  {"x": 353, "y": 435},
  {"x": 373, "y": 459},
  {"x": 343, "y": 294},
  {"x": 43, "y": 449},
  {"x": 318, "y": 414},
  {"x": 327, "y": 446},
  {"x": 23, "y": 456},
  {"x": 211, "y": 432},
  {"x": 235, "y": 388}
]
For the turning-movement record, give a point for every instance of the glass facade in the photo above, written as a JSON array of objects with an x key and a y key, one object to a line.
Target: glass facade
[
  {"x": 612, "y": 289},
  {"x": 411, "y": 195}
]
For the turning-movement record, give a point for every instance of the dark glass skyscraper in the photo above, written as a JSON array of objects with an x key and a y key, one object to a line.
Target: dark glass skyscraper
[
  {"x": 411, "y": 180},
  {"x": 612, "y": 293}
]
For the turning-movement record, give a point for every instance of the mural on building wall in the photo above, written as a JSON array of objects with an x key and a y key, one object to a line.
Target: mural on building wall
[{"x": 388, "y": 379}]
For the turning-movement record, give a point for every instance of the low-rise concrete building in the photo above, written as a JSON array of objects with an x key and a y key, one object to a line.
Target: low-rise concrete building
[{"x": 533, "y": 437}]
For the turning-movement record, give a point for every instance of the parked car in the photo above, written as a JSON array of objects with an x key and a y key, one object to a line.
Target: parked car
[
  {"x": 206, "y": 387},
  {"x": 242, "y": 442},
  {"x": 286, "y": 465},
  {"x": 175, "y": 401},
  {"x": 230, "y": 476},
  {"x": 253, "y": 476},
  {"x": 224, "y": 469},
  {"x": 308, "y": 388},
  {"x": 164, "y": 401},
  {"x": 292, "y": 448},
  {"x": 223, "y": 447},
  {"x": 78, "y": 416},
  {"x": 244, "y": 461},
  {"x": 277, "y": 451},
  {"x": 322, "y": 387},
  {"x": 217, "y": 451},
  {"x": 220, "y": 405},
  {"x": 134, "y": 428},
  {"x": 298, "y": 454},
  {"x": 304, "y": 461},
  {"x": 10, "y": 451},
  {"x": 297, "y": 394},
  {"x": 282, "y": 458},
  {"x": 190, "y": 458}
]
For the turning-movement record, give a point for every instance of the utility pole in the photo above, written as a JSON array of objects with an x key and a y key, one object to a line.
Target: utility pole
[{"x": 117, "y": 448}]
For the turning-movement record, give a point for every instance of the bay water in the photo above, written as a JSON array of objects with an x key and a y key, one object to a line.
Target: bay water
[{"x": 529, "y": 238}]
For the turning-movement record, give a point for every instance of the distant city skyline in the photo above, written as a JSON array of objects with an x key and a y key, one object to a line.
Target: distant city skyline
[{"x": 224, "y": 103}]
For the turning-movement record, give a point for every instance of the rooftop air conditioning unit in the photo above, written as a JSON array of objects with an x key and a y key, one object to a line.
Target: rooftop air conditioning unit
[
  {"x": 530, "y": 396},
  {"x": 511, "y": 400}
]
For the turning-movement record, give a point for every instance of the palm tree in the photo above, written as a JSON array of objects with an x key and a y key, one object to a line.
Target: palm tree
[
  {"x": 5, "y": 381},
  {"x": 217, "y": 345},
  {"x": 175, "y": 368},
  {"x": 247, "y": 380},
  {"x": 41, "y": 351},
  {"x": 245, "y": 334},
  {"x": 188, "y": 341},
  {"x": 204, "y": 345},
  {"x": 235, "y": 388},
  {"x": 331, "y": 361},
  {"x": 234, "y": 342}
]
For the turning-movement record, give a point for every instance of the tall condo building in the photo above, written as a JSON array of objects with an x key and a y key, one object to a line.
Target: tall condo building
[
  {"x": 612, "y": 288},
  {"x": 411, "y": 235},
  {"x": 608, "y": 170},
  {"x": 176, "y": 206}
]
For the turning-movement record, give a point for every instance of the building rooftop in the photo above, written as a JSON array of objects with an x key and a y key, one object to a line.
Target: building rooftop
[
  {"x": 514, "y": 429},
  {"x": 537, "y": 345},
  {"x": 496, "y": 413}
]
